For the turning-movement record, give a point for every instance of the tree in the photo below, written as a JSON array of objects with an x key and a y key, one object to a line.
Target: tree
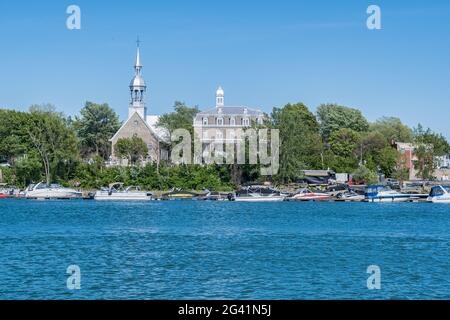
[
  {"x": 427, "y": 147},
  {"x": 181, "y": 118},
  {"x": 344, "y": 142},
  {"x": 133, "y": 149},
  {"x": 365, "y": 175},
  {"x": 51, "y": 138},
  {"x": 96, "y": 125},
  {"x": 301, "y": 144},
  {"x": 13, "y": 139},
  {"x": 392, "y": 129},
  {"x": 333, "y": 117}
]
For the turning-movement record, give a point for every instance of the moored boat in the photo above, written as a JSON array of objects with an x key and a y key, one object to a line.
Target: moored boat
[
  {"x": 381, "y": 193},
  {"x": 116, "y": 192},
  {"x": 350, "y": 195},
  {"x": 306, "y": 194},
  {"x": 178, "y": 194},
  {"x": 258, "y": 194},
  {"x": 439, "y": 194},
  {"x": 52, "y": 191}
]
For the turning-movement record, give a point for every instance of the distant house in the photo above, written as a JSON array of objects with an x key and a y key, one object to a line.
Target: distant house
[
  {"x": 407, "y": 158},
  {"x": 444, "y": 162}
]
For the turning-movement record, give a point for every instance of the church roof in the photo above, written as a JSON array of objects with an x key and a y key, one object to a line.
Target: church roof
[{"x": 159, "y": 133}]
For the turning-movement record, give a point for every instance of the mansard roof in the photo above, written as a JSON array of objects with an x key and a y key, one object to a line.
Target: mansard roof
[{"x": 235, "y": 111}]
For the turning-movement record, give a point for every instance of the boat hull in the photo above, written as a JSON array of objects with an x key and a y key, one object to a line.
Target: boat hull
[
  {"x": 53, "y": 195},
  {"x": 122, "y": 197},
  {"x": 439, "y": 199},
  {"x": 389, "y": 199},
  {"x": 259, "y": 199}
]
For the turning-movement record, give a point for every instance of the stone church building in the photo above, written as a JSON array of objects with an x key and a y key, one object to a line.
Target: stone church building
[{"x": 140, "y": 124}]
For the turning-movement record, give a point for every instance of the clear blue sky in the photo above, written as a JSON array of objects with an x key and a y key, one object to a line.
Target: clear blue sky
[{"x": 264, "y": 53}]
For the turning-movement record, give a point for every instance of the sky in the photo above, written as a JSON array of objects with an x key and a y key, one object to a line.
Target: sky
[{"x": 265, "y": 54}]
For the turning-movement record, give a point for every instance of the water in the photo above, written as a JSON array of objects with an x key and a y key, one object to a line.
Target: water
[{"x": 223, "y": 250}]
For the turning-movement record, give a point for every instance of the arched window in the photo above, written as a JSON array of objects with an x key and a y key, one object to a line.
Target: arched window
[
  {"x": 232, "y": 121},
  {"x": 205, "y": 121},
  {"x": 220, "y": 121},
  {"x": 246, "y": 122}
]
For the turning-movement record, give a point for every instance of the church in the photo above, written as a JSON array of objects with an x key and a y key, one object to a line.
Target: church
[{"x": 140, "y": 124}]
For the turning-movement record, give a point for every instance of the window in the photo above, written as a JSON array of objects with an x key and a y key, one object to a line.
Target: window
[
  {"x": 219, "y": 135},
  {"x": 232, "y": 121},
  {"x": 205, "y": 134},
  {"x": 246, "y": 122},
  {"x": 205, "y": 121},
  {"x": 260, "y": 120},
  {"x": 220, "y": 121}
]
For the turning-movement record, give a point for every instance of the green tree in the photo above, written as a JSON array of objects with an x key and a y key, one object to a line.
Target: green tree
[
  {"x": 365, "y": 175},
  {"x": 96, "y": 124},
  {"x": 181, "y": 118},
  {"x": 333, "y": 117},
  {"x": 392, "y": 129},
  {"x": 52, "y": 139},
  {"x": 428, "y": 146},
  {"x": 133, "y": 149},
  {"x": 301, "y": 145}
]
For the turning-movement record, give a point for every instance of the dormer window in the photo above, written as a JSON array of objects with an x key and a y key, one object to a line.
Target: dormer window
[
  {"x": 205, "y": 121},
  {"x": 245, "y": 111},
  {"x": 220, "y": 121}
]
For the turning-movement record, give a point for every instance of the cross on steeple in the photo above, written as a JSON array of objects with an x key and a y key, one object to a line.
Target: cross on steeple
[{"x": 138, "y": 42}]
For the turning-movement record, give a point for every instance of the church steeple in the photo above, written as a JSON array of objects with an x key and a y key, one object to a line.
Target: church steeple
[{"x": 137, "y": 88}]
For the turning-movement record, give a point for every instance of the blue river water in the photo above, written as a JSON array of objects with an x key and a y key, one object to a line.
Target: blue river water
[{"x": 223, "y": 250}]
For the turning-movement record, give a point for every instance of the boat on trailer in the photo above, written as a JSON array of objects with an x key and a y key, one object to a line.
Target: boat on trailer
[
  {"x": 117, "y": 192},
  {"x": 439, "y": 194}
]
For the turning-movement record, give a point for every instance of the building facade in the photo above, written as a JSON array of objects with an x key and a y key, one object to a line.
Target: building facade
[
  {"x": 225, "y": 124},
  {"x": 140, "y": 124}
]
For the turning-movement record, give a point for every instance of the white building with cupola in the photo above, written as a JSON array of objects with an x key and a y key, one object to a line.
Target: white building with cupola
[{"x": 225, "y": 124}]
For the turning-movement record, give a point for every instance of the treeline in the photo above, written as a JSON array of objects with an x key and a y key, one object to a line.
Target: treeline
[{"x": 44, "y": 145}]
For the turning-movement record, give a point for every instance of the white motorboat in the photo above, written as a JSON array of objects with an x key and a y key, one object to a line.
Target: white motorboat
[
  {"x": 52, "y": 191},
  {"x": 380, "y": 193},
  {"x": 440, "y": 194},
  {"x": 116, "y": 192},
  {"x": 306, "y": 194},
  {"x": 350, "y": 196},
  {"x": 258, "y": 194}
]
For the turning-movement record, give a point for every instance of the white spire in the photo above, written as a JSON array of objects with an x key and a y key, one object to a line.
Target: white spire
[
  {"x": 138, "y": 64},
  {"x": 137, "y": 88}
]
